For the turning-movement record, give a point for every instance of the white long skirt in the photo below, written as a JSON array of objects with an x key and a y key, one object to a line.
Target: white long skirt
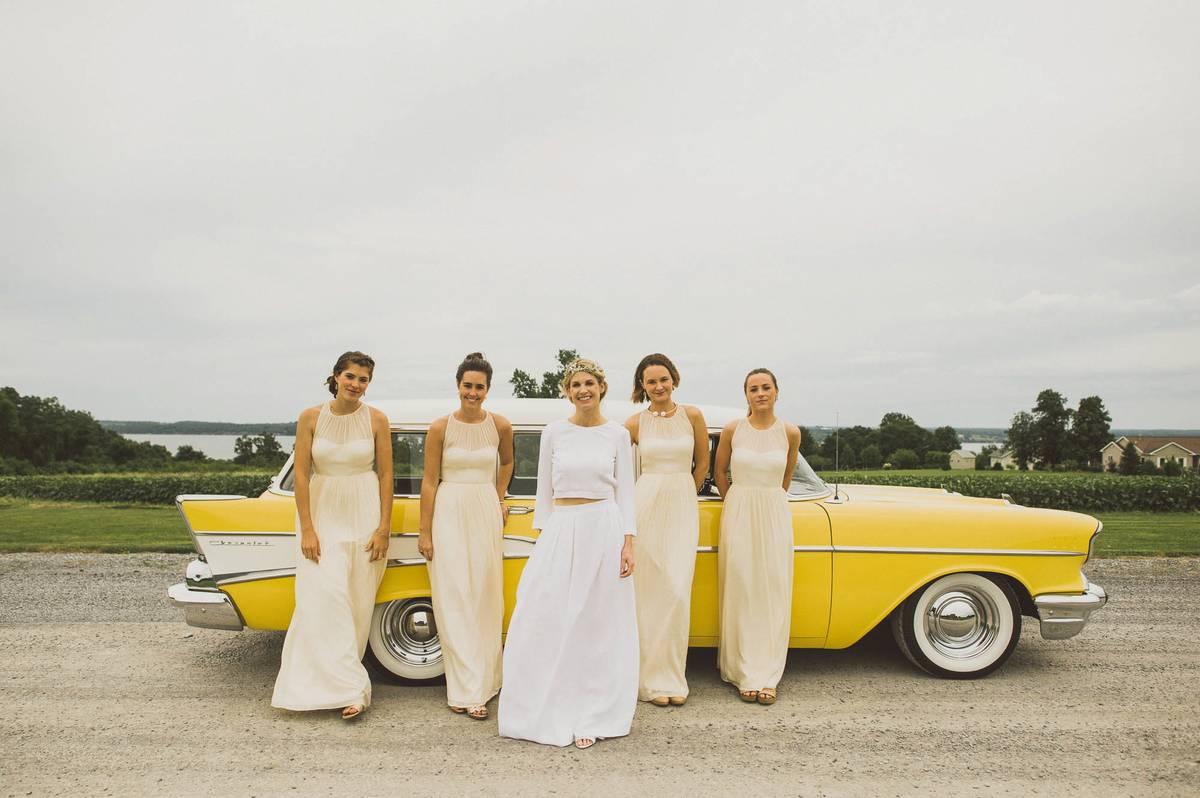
[{"x": 571, "y": 658}]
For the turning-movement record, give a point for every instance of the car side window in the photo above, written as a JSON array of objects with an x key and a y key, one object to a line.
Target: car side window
[
  {"x": 526, "y": 446},
  {"x": 408, "y": 462}
]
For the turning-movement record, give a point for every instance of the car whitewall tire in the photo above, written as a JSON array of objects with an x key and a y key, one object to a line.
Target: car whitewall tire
[
  {"x": 404, "y": 641},
  {"x": 962, "y": 626}
]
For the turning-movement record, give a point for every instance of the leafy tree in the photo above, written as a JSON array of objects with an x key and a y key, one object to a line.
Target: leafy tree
[
  {"x": 190, "y": 454},
  {"x": 48, "y": 437},
  {"x": 259, "y": 450},
  {"x": 983, "y": 460},
  {"x": 935, "y": 459},
  {"x": 848, "y": 458},
  {"x": 1129, "y": 460},
  {"x": 243, "y": 449},
  {"x": 1021, "y": 439},
  {"x": 1172, "y": 468},
  {"x": 526, "y": 387},
  {"x": 269, "y": 446},
  {"x": 1148, "y": 468},
  {"x": 870, "y": 457},
  {"x": 808, "y": 443},
  {"x": 1090, "y": 430},
  {"x": 905, "y": 458},
  {"x": 898, "y": 431},
  {"x": 1050, "y": 419},
  {"x": 945, "y": 439}
]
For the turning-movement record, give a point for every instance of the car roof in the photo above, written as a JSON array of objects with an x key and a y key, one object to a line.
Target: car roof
[{"x": 531, "y": 412}]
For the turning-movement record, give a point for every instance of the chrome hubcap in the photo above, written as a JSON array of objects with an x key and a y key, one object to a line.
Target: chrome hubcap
[
  {"x": 409, "y": 632},
  {"x": 961, "y": 623}
]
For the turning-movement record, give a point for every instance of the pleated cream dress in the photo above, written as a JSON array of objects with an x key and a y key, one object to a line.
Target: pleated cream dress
[
  {"x": 467, "y": 570},
  {"x": 322, "y": 666},
  {"x": 668, "y": 522},
  {"x": 754, "y": 561},
  {"x": 571, "y": 658}
]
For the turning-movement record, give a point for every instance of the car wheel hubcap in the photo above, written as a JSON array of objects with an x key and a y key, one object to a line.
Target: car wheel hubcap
[
  {"x": 961, "y": 623},
  {"x": 409, "y": 632}
]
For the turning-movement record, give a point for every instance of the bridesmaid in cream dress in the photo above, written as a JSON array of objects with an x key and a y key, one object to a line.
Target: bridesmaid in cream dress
[
  {"x": 343, "y": 467},
  {"x": 468, "y": 464},
  {"x": 672, "y": 455},
  {"x": 754, "y": 560}
]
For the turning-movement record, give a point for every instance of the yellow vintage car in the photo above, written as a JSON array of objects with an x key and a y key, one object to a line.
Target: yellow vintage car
[{"x": 953, "y": 576}]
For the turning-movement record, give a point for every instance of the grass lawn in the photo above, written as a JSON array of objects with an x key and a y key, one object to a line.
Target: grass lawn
[
  {"x": 70, "y": 526},
  {"x": 1149, "y": 534}
]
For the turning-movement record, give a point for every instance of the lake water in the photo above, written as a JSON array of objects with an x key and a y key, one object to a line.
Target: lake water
[{"x": 218, "y": 447}]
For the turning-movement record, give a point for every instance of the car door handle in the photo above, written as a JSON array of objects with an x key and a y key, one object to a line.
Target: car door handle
[{"x": 519, "y": 509}]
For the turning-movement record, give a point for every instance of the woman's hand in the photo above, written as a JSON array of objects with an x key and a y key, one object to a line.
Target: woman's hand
[
  {"x": 627, "y": 557},
  {"x": 310, "y": 546},
  {"x": 425, "y": 545},
  {"x": 378, "y": 544},
  {"x": 503, "y": 514}
]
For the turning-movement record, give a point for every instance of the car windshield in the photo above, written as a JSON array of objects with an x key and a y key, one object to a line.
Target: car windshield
[{"x": 805, "y": 482}]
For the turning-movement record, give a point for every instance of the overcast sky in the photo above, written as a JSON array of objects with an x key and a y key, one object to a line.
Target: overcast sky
[{"x": 939, "y": 209}]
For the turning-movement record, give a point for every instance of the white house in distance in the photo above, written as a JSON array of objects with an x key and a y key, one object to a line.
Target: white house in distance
[
  {"x": 1155, "y": 449},
  {"x": 962, "y": 460}
]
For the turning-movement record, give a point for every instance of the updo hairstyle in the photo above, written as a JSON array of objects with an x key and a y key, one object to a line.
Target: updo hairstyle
[
  {"x": 358, "y": 359},
  {"x": 589, "y": 366},
  {"x": 655, "y": 359},
  {"x": 474, "y": 362}
]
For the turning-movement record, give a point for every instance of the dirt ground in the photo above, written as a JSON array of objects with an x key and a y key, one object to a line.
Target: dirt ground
[{"x": 107, "y": 692}]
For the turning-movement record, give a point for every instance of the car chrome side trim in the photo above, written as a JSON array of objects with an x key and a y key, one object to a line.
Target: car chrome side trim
[
  {"x": 993, "y": 552},
  {"x": 254, "y": 576}
]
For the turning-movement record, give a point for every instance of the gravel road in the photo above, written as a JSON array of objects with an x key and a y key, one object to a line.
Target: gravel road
[{"x": 107, "y": 692}]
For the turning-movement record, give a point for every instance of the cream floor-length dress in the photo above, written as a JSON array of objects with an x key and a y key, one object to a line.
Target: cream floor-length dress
[
  {"x": 668, "y": 522},
  {"x": 754, "y": 560},
  {"x": 467, "y": 569},
  {"x": 322, "y": 666}
]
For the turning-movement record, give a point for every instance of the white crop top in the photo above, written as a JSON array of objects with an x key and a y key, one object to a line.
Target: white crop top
[{"x": 585, "y": 463}]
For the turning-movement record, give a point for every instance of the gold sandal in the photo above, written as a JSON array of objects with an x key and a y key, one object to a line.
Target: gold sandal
[
  {"x": 749, "y": 696},
  {"x": 766, "y": 696},
  {"x": 660, "y": 701},
  {"x": 353, "y": 711}
]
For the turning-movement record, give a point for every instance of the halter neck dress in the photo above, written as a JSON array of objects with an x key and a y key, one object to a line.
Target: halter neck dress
[
  {"x": 668, "y": 523},
  {"x": 467, "y": 570},
  {"x": 754, "y": 560},
  {"x": 321, "y": 666}
]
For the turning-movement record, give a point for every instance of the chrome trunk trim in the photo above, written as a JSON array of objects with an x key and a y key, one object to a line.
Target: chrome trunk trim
[{"x": 206, "y": 609}]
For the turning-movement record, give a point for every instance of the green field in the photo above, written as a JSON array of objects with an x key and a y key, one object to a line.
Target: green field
[
  {"x": 75, "y": 526},
  {"x": 71, "y": 526}
]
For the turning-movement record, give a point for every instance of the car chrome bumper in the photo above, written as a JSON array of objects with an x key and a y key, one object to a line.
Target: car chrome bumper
[
  {"x": 207, "y": 609},
  {"x": 1064, "y": 615}
]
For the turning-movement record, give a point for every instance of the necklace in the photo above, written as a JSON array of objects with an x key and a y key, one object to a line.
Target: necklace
[{"x": 664, "y": 413}]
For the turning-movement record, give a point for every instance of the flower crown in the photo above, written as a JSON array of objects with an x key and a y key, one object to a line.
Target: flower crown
[{"x": 580, "y": 365}]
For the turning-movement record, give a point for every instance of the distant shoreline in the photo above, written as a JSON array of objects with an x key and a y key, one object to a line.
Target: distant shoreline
[
  {"x": 994, "y": 435},
  {"x": 197, "y": 428}
]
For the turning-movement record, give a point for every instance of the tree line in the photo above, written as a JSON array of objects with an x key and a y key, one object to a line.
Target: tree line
[
  {"x": 38, "y": 435},
  {"x": 1054, "y": 436},
  {"x": 898, "y": 440}
]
